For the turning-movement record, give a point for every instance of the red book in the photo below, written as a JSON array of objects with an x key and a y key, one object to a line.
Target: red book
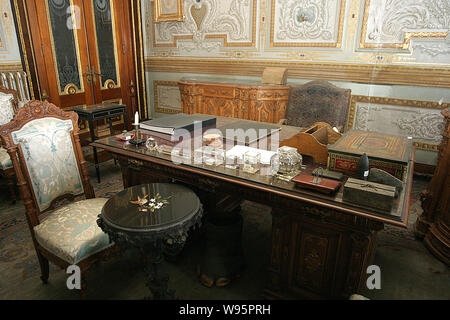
[{"x": 325, "y": 185}]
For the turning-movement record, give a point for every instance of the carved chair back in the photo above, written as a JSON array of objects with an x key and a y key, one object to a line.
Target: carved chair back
[
  {"x": 315, "y": 101},
  {"x": 43, "y": 144}
]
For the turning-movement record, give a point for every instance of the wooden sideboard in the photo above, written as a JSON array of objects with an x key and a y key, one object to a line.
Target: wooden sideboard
[{"x": 228, "y": 98}]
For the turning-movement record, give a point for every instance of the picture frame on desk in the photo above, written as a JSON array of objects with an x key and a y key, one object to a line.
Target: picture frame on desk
[{"x": 168, "y": 10}]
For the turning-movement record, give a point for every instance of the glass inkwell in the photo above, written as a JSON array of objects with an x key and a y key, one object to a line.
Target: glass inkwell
[
  {"x": 252, "y": 161},
  {"x": 270, "y": 166},
  {"x": 290, "y": 162},
  {"x": 151, "y": 144},
  {"x": 232, "y": 162}
]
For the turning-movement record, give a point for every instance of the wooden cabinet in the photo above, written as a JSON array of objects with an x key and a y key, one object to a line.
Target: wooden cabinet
[{"x": 252, "y": 101}]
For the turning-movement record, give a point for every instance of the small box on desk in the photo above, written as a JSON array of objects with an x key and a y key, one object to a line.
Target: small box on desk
[
  {"x": 369, "y": 194},
  {"x": 387, "y": 152}
]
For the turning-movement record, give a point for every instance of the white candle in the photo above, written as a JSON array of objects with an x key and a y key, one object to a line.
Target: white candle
[{"x": 136, "y": 118}]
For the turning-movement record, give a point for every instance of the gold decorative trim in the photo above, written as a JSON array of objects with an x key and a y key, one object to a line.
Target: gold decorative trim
[
  {"x": 406, "y": 41},
  {"x": 70, "y": 89},
  {"x": 209, "y": 36},
  {"x": 140, "y": 39},
  {"x": 395, "y": 102},
  {"x": 426, "y": 146},
  {"x": 157, "y": 83},
  {"x": 24, "y": 51},
  {"x": 109, "y": 84},
  {"x": 336, "y": 44},
  {"x": 366, "y": 73},
  {"x": 10, "y": 67}
]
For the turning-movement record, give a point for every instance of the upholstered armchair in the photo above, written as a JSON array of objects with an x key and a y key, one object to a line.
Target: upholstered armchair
[
  {"x": 317, "y": 101},
  {"x": 44, "y": 147},
  {"x": 8, "y": 107}
]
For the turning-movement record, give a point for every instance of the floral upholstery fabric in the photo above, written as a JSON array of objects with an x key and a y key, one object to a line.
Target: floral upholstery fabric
[
  {"x": 6, "y": 108},
  {"x": 50, "y": 159},
  {"x": 72, "y": 233},
  {"x": 5, "y": 161}
]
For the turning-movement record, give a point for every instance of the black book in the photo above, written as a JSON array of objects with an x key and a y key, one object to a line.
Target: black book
[{"x": 169, "y": 124}]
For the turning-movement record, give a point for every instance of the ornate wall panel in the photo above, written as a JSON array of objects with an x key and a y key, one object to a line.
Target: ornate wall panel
[
  {"x": 208, "y": 26},
  {"x": 167, "y": 96},
  {"x": 315, "y": 39},
  {"x": 306, "y": 23},
  {"x": 393, "y": 23},
  {"x": 421, "y": 120}
]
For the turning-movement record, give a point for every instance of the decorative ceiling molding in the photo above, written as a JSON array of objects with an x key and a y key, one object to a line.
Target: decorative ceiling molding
[
  {"x": 316, "y": 22},
  {"x": 396, "y": 22},
  {"x": 365, "y": 73}
]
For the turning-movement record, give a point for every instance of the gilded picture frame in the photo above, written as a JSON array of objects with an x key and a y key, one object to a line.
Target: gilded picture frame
[{"x": 168, "y": 10}]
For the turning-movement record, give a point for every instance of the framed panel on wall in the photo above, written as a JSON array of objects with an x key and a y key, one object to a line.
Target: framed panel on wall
[
  {"x": 168, "y": 10},
  {"x": 167, "y": 97}
]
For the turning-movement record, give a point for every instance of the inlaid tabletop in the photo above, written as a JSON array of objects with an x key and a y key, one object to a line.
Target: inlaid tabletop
[{"x": 151, "y": 207}]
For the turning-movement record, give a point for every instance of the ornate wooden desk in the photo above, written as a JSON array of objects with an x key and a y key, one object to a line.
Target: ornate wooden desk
[
  {"x": 220, "y": 97},
  {"x": 321, "y": 245}
]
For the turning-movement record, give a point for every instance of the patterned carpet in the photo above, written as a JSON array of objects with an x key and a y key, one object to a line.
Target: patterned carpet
[{"x": 19, "y": 268}]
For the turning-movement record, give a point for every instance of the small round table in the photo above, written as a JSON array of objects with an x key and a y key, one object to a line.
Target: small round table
[{"x": 148, "y": 216}]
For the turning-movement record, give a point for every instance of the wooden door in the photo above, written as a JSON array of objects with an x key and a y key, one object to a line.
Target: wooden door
[
  {"x": 84, "y": 51},
  {"x": 62, "y": 33},
  {"x": 106, "y": 49}
]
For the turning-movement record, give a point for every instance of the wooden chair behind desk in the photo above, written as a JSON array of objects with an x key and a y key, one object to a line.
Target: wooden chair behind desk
[
  {"x": 314, "y": 141},
  {"x": 317, "y": 100}
]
